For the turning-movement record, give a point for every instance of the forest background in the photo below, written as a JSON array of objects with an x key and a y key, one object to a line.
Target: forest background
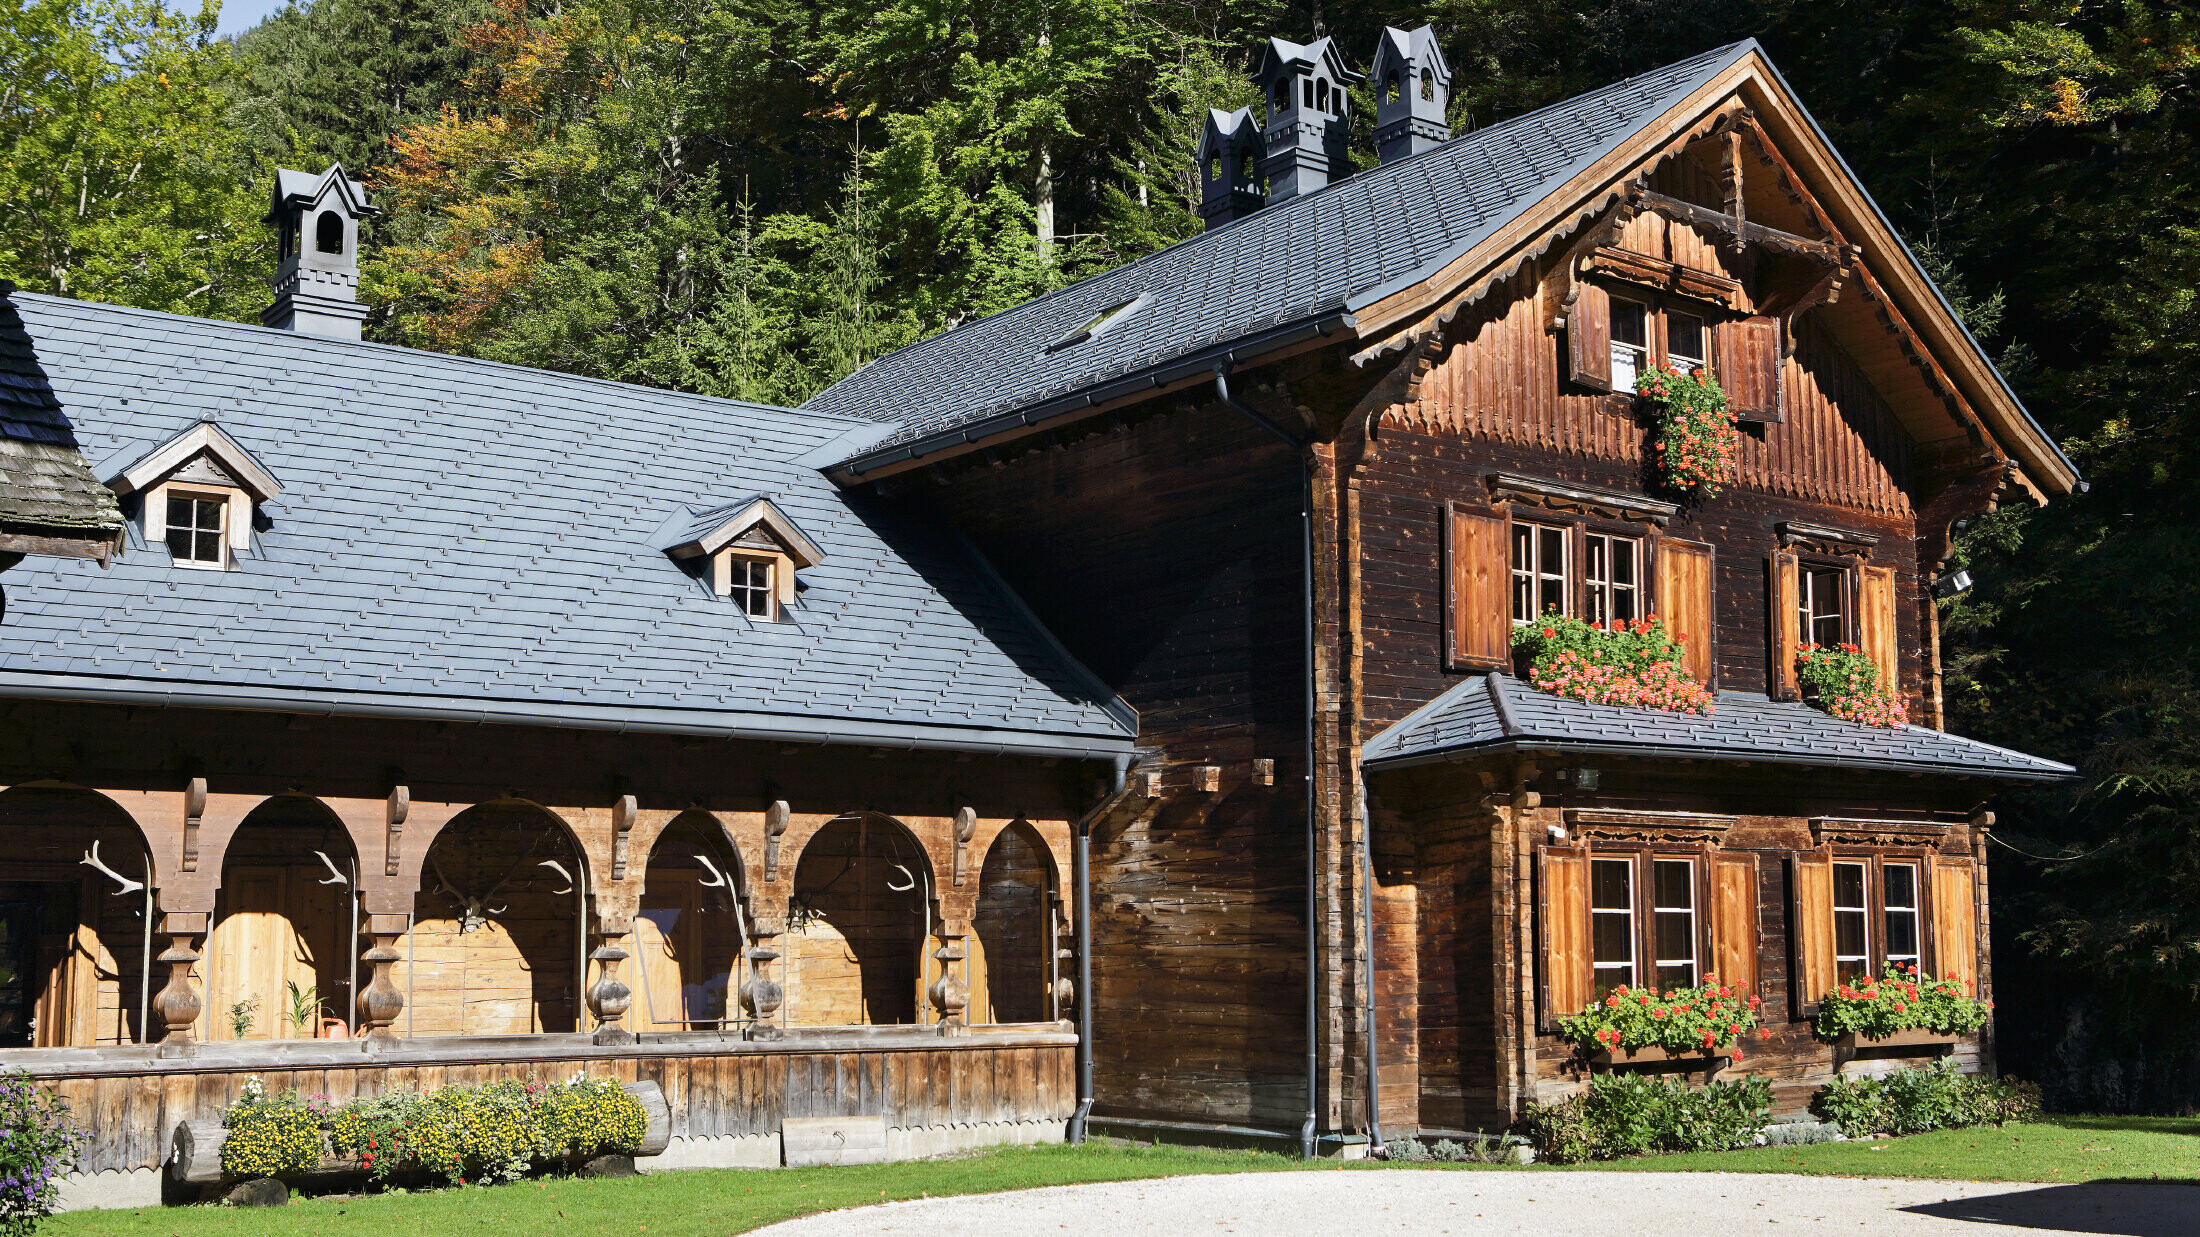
[{"x": 751, "y": 198}]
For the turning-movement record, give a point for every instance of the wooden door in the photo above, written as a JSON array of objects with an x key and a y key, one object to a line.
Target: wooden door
[
  {"x": 685, "y": 985},
  {"x": 263, "y": 942}
]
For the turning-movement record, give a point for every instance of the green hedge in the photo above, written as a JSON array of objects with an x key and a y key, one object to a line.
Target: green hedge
[
  {"x": 1912, "y": 1101},
  {"x": 1637, "y": 1114}
]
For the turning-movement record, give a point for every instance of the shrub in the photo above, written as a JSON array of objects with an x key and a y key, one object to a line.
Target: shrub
[
  {"x": 270, "y": 1135},
  {"x": 1933, "y": 1097},
  {"x": 1632, "y": 664},
  {"x": 1638, "y": 1114},
  {"x": 1695, "y": 428},
  {"x": 1904, "y": 999},
  {"x": 1706, "y": 1018},
  {"x": 39, "y": 1144},
  {"x": 1846, "y": 684}
]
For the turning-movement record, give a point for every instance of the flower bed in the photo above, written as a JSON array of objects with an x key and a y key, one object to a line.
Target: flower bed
[
  {"x": 1631, "y": 1114},
  {"x": 39, "y": 1144},
  {"x": 1631, "y": 664},
  {"x": 1846, "y": 684},
  {"x": 1697, "y": 1021},
  {"x": 1696, "y": 434},
  {"x": 496, "y": 1131},
  {"x": 1902, "y": 1000},
  {"x": 1913, "y": 1101}
]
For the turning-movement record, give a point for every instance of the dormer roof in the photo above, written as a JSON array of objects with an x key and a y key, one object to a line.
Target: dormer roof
[
  {"x": 713, "y": 529},
  {"x": 225, "y": 454},
  {"x": 296, "y": 191},
  {"x": 1304, "y": 56}
]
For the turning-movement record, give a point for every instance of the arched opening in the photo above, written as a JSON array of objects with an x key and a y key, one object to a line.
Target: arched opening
[
  {"x": 690, "y": 930},
  {"x": 1390, "y": 87},
  {"x": 73, "y": 939},
  {"x": 1283, "y": 97},
  {"x": 858, "y": 925},
  {"x": 1214, "y": 167},
  {"x": 495, "y": 946},
  {"x": 1428, "y": 86},
  {"x": 1309, "y": 93},
  {"x": 278, "y": 963},
  {"x": 1012, "y": 955},
  {"x": 328, "y": 232}
]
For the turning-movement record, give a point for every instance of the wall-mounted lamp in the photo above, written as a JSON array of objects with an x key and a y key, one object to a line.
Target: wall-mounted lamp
[{"x": 1958, "y": 581}]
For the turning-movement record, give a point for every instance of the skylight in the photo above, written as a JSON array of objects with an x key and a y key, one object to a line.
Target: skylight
[{"x": 1101, "y": 323}]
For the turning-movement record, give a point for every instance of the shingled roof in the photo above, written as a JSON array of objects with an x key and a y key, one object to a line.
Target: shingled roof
[
  {"x": 1295, "y": 269},
  {"x": 462, "y": 539},
  {"x": 47, "y": 491},
  {"x": 1497, "y": 713}
]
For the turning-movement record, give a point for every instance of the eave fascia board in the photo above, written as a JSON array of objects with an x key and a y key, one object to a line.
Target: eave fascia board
[
  {"x": 704, "y": 723},
  {"x": 1653, "y": 751},
  {"x": 205, "y": 436},
  {"x": 1190, "y": 369}
]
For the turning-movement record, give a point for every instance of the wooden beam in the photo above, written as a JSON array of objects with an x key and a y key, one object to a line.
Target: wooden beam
[
  {"x": 1743, "y": 231},
  {"x": 99, "y": 550}
]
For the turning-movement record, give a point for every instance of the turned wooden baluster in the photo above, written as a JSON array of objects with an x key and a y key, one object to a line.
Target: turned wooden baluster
[
  {"x": 609, "y": 998},
  {"x": 761, "y": 995},
  {"x": 949, "y": 994},
  {"x": 179, "y": 1003},
  {"x": 380, "y": 1002}
]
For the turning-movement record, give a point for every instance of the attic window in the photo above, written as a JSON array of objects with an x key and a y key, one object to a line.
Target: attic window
[
  {"x": 747, "y": 550},
  {"x": 194, "y": 521},
  {"x": 200, "y": 491},
  {"x": 1100, "y": 324},
  {"x": 749, "y": 583}
]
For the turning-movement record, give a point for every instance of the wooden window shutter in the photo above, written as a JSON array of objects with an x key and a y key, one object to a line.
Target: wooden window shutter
[
  {"x": 1749, "y": 369},
  {"x": 1875, "y": 624},
  {"x": 1734, "y": 927},
  {"x": 1565, "y": 915},
  {"x": 1814, "y": 969},
  {"x": 1589, "y": 337},
  {"x": 1786, "y": 637},
  {"x": 1476, "y": 578},
  {"x": 1684, "y": 602},
  {"x": 1955, "y": 921}
]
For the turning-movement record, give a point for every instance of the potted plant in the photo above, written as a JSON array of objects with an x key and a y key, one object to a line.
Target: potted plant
[
  {"x": 1903, "y": 1008},
  {"x": 1632, "y": 664},
  {"x": 1633, "y": 1026},
  {"x": 1695, "y": 429},
  {"x": 1844, "y": 681}
]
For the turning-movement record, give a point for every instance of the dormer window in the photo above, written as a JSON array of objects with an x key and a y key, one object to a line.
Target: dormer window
[
  {"x": 199, "y": 492},
  {"x": 748, "y": 550}
]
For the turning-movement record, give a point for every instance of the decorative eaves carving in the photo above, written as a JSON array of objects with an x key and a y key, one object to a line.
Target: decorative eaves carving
[
  {"x": 1646, "y": 826},
  {"x": 1836, "y": 831},
  {"x": 1820, "y": 539},
  {"x": 1671, "y": 277},
  {"x": 1578, "y": 499}
]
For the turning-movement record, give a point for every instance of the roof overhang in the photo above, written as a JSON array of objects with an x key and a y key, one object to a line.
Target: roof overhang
[
  {"x": 205, "y": 436},
  {"x": 1654, "y": 751}
]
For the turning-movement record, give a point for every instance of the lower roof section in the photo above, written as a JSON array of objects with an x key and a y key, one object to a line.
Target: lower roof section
[
  {"x": 1496, "y": 712},
  {"x": 709, "y": 723}
]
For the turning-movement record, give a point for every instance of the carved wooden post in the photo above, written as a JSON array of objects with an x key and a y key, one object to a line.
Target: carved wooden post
[
  {"x": 623, "y": 815},
  {"x": 393, "y": 837},
  {"x": 609, "y": 998},
  {"x": 179, "y": 1002},
  {"x": 775, "y": 823},
  {"x": 760, "y": 993},
  {"x": 194, "y": 807},
  {"x": 966, "y": 825},
  {"x": 950, "y": 996},
  {"x": 380, "y": 1002}
]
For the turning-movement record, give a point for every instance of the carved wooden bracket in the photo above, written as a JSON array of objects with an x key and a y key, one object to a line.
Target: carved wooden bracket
[
  {"x": 622, "y": 829},
  {"x": 1835, "y": 831},
  {"x": 400, "y": 806},
  {"x": 966, "y": 827},
  {"x": 194, "y": 807},
  {"x": 1756, "y": 235},
  {"x": 1647, "y": 826},
  {"x": 1641, "y": 268},
  {"x": 1820, "y": 539},
  {"x": 775, "y": 824},
  {"x": 1578, "y": 499}
]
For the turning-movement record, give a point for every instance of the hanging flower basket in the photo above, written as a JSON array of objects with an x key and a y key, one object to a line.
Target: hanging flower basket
[
  {"x": 1845, "y": 682},
  {"x": 1695, "y": 429},
  {"x": 1632, "y": 664}
]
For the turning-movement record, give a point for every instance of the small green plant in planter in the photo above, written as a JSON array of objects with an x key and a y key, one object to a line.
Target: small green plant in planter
[
  {"x": 1904, "y": 999},
  {"x": 1637, "y": 664},
  {"x": 1709, "y": 1018},
  {"x": 1695, "y": 429},
  {"x": 1845, "y": 682}
]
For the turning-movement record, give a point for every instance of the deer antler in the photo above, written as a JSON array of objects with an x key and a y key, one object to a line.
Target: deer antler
[
  {"x": 336, "y": 876},
  {"x": 91, "y": 857},
  {"x": 558, "y": 868}
]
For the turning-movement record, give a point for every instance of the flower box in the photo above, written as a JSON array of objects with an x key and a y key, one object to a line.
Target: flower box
[
  {"x": 1915, "y": 1037},
  {"x": 1652, "y": 1056}
]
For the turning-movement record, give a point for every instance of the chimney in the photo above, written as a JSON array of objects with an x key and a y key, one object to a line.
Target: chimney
[
  {"x": 1412, "y": 88},
  {"x": 1308, "y": 116},
  {"x": 1229, "y": 166},
  {"x": 317, "y": 272}
]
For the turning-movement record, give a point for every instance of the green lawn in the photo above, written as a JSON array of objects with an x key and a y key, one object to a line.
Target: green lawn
[{"x": 714, "y": 1203}]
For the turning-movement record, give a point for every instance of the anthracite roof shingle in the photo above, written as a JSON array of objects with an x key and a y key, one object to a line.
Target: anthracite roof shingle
[
  {"x": 1495, "y": 711},
  {"x": 1309, "y": 258},
  {"x": 458, "y": 536}
]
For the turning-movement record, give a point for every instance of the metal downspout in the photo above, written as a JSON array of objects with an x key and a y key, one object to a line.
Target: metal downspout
[
  {"x": 1306, "y": 611},
  {"x": 1081, "y": 861},
  {"x": 1367, "y": 985}
]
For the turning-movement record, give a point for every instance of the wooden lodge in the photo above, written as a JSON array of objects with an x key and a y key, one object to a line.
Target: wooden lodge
[{"x": 1102, "y": 713}]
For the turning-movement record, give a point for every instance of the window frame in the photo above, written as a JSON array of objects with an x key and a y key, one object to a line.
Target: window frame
[
  {"x": 748, "y": 592},
  {"x": 1536, "y": 573},
  {"x": 1915, "y": 910},
  {"x": 1656, "y": 350},
  {"x": 1574, "y": 584},
  {"x": 1642, "y": 858},
  {"x": 1633, "y": 964},
  {"x": 1809, "y": 569},
  {"x": 221, "y": 499},
  {"x": 1606, "y": 591},
  {"x": 1874, "y": 861}
]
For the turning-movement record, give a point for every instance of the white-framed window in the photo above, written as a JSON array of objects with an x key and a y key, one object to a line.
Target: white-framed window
[
  {"x": 1630, "y": 342},
  {"x": 1673, "y": 921},
  {"x": 1612, "y": 924},
  {"x": 1687, "y": 341},
  {"x": 196, "y": 527},
  {"x": 1898, "y": 883},
  {"x": 1538, "y": 571},
  {"x": 751, "y": 587},
  {"x": 1821, "y": 603},
  {"x": 1852, "y": 947},
  {"x": 1612, "y": 570}
]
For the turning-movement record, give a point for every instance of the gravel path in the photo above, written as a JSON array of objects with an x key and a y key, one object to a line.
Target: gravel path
[{"x": 1590, "y": 1204}]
